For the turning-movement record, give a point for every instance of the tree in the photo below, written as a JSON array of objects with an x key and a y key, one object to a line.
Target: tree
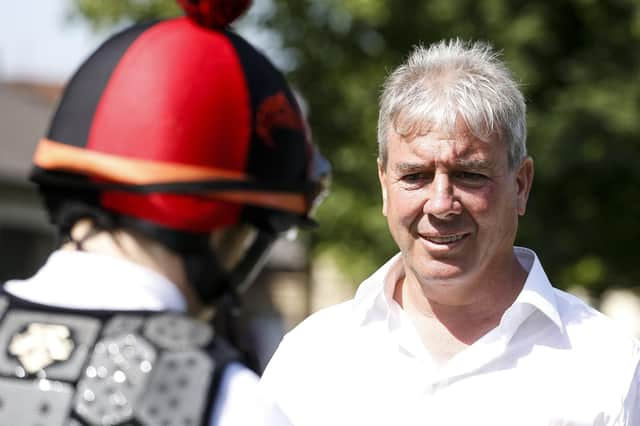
[{"x": 579, "y": 66}]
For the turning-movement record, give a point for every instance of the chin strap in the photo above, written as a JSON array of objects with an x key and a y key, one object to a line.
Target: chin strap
[
  {"x": 211, "y": 281},
  {"x": 245, "y": 273},
  {"x": 221, "y": 288}
]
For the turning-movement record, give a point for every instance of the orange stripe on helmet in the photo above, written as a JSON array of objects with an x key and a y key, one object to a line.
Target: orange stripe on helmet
[
  {"x": 295, "y": 203},
  {"x": 51, "y": 155}
]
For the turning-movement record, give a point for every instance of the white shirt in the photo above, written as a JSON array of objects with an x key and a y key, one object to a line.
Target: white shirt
[
  {"x": 552, "y": 360},
  {"x": 90, "y": 281}
]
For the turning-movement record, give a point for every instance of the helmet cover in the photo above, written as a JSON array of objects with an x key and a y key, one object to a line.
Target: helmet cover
[{"x": 181, "y": 125}]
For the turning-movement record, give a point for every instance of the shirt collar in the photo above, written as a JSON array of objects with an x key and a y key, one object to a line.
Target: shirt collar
[
  {"x": 370, "y": 296},
  {"x": 83, "y": 280},
  {"x": 374, "y": 296},
  {"x": 537, "y": 291}
]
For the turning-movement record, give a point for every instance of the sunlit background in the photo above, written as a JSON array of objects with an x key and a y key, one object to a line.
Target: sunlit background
[{"x": 578, "y": 62}]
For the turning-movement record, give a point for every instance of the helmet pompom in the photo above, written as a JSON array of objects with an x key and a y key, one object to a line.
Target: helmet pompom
[{"x": 214, "y": 13}]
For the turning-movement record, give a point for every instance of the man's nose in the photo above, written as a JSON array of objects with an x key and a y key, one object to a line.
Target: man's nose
[{"x": 441, "y": 201}]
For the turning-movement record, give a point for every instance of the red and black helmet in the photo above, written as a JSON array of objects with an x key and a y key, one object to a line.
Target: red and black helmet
[{"x": 180, "y": 127}]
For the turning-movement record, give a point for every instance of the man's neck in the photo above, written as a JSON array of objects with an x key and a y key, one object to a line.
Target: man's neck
[{"x": 447, "y": 328}]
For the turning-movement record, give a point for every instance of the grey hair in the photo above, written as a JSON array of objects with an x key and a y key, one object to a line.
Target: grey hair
[{"x": 452, "y": 80}]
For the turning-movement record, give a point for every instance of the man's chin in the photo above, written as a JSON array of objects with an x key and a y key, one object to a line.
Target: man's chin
[{"x": 442, "y": 272}]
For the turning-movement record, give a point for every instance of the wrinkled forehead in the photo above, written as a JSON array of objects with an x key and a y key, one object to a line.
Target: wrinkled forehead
[
  {"x": 455, "y": 145},
  {"x": 412, "y": 123}
]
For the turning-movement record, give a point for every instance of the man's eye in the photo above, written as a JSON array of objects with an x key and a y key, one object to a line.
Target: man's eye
[
  {"x": 414, "y": 177},
  {"x": 470, "y": 177}
]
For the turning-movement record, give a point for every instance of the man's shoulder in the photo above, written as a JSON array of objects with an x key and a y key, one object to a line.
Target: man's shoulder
[
  {"x": 320, "y": 333},
  {"x": 318, "y": 340},
  {"x": 334, "y": 319},
  {"x": 586, "y": 326}
]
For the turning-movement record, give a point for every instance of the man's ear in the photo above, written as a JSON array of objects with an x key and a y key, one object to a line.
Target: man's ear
[
  {"x": 383, "y": 187},
  {"x": 524, "y": 180}
]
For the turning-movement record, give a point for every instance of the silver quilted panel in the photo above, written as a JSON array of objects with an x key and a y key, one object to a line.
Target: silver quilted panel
[
  {"x": 178, "y": 390},
  {"x": 83, "y": 332},
  {"x": 177, "y": 332},
  {"x": 34, "y": 402},
  {"x": 123, "y": 324},
  {"x": 114, "y": 380}
]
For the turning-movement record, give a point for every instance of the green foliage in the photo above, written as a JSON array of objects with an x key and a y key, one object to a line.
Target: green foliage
[
  {"x": 106, "y": 13},
  {"x": 579, "y": 65}
]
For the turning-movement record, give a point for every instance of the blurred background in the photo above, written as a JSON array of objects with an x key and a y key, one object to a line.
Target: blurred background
[{"x": 578, "y": 62}]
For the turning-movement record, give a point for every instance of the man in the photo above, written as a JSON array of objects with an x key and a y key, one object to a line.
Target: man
[
  {"x": 460, "y": 328},
  {"x": 176, "y": 156}
]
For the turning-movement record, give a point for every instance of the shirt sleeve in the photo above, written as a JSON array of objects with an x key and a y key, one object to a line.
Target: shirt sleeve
[{"x": 242, "y": 402}]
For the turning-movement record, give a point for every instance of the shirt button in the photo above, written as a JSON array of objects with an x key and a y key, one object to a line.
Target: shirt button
[
  {"x": 437, "y": 386},
  {"x": 431, "y": 389}
]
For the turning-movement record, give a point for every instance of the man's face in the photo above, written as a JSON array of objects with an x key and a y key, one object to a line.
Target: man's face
[{"x": 452, "y": 204}]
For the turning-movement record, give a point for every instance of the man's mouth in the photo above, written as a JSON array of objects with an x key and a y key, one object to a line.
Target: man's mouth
[{"x": 447, "y": 239}]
